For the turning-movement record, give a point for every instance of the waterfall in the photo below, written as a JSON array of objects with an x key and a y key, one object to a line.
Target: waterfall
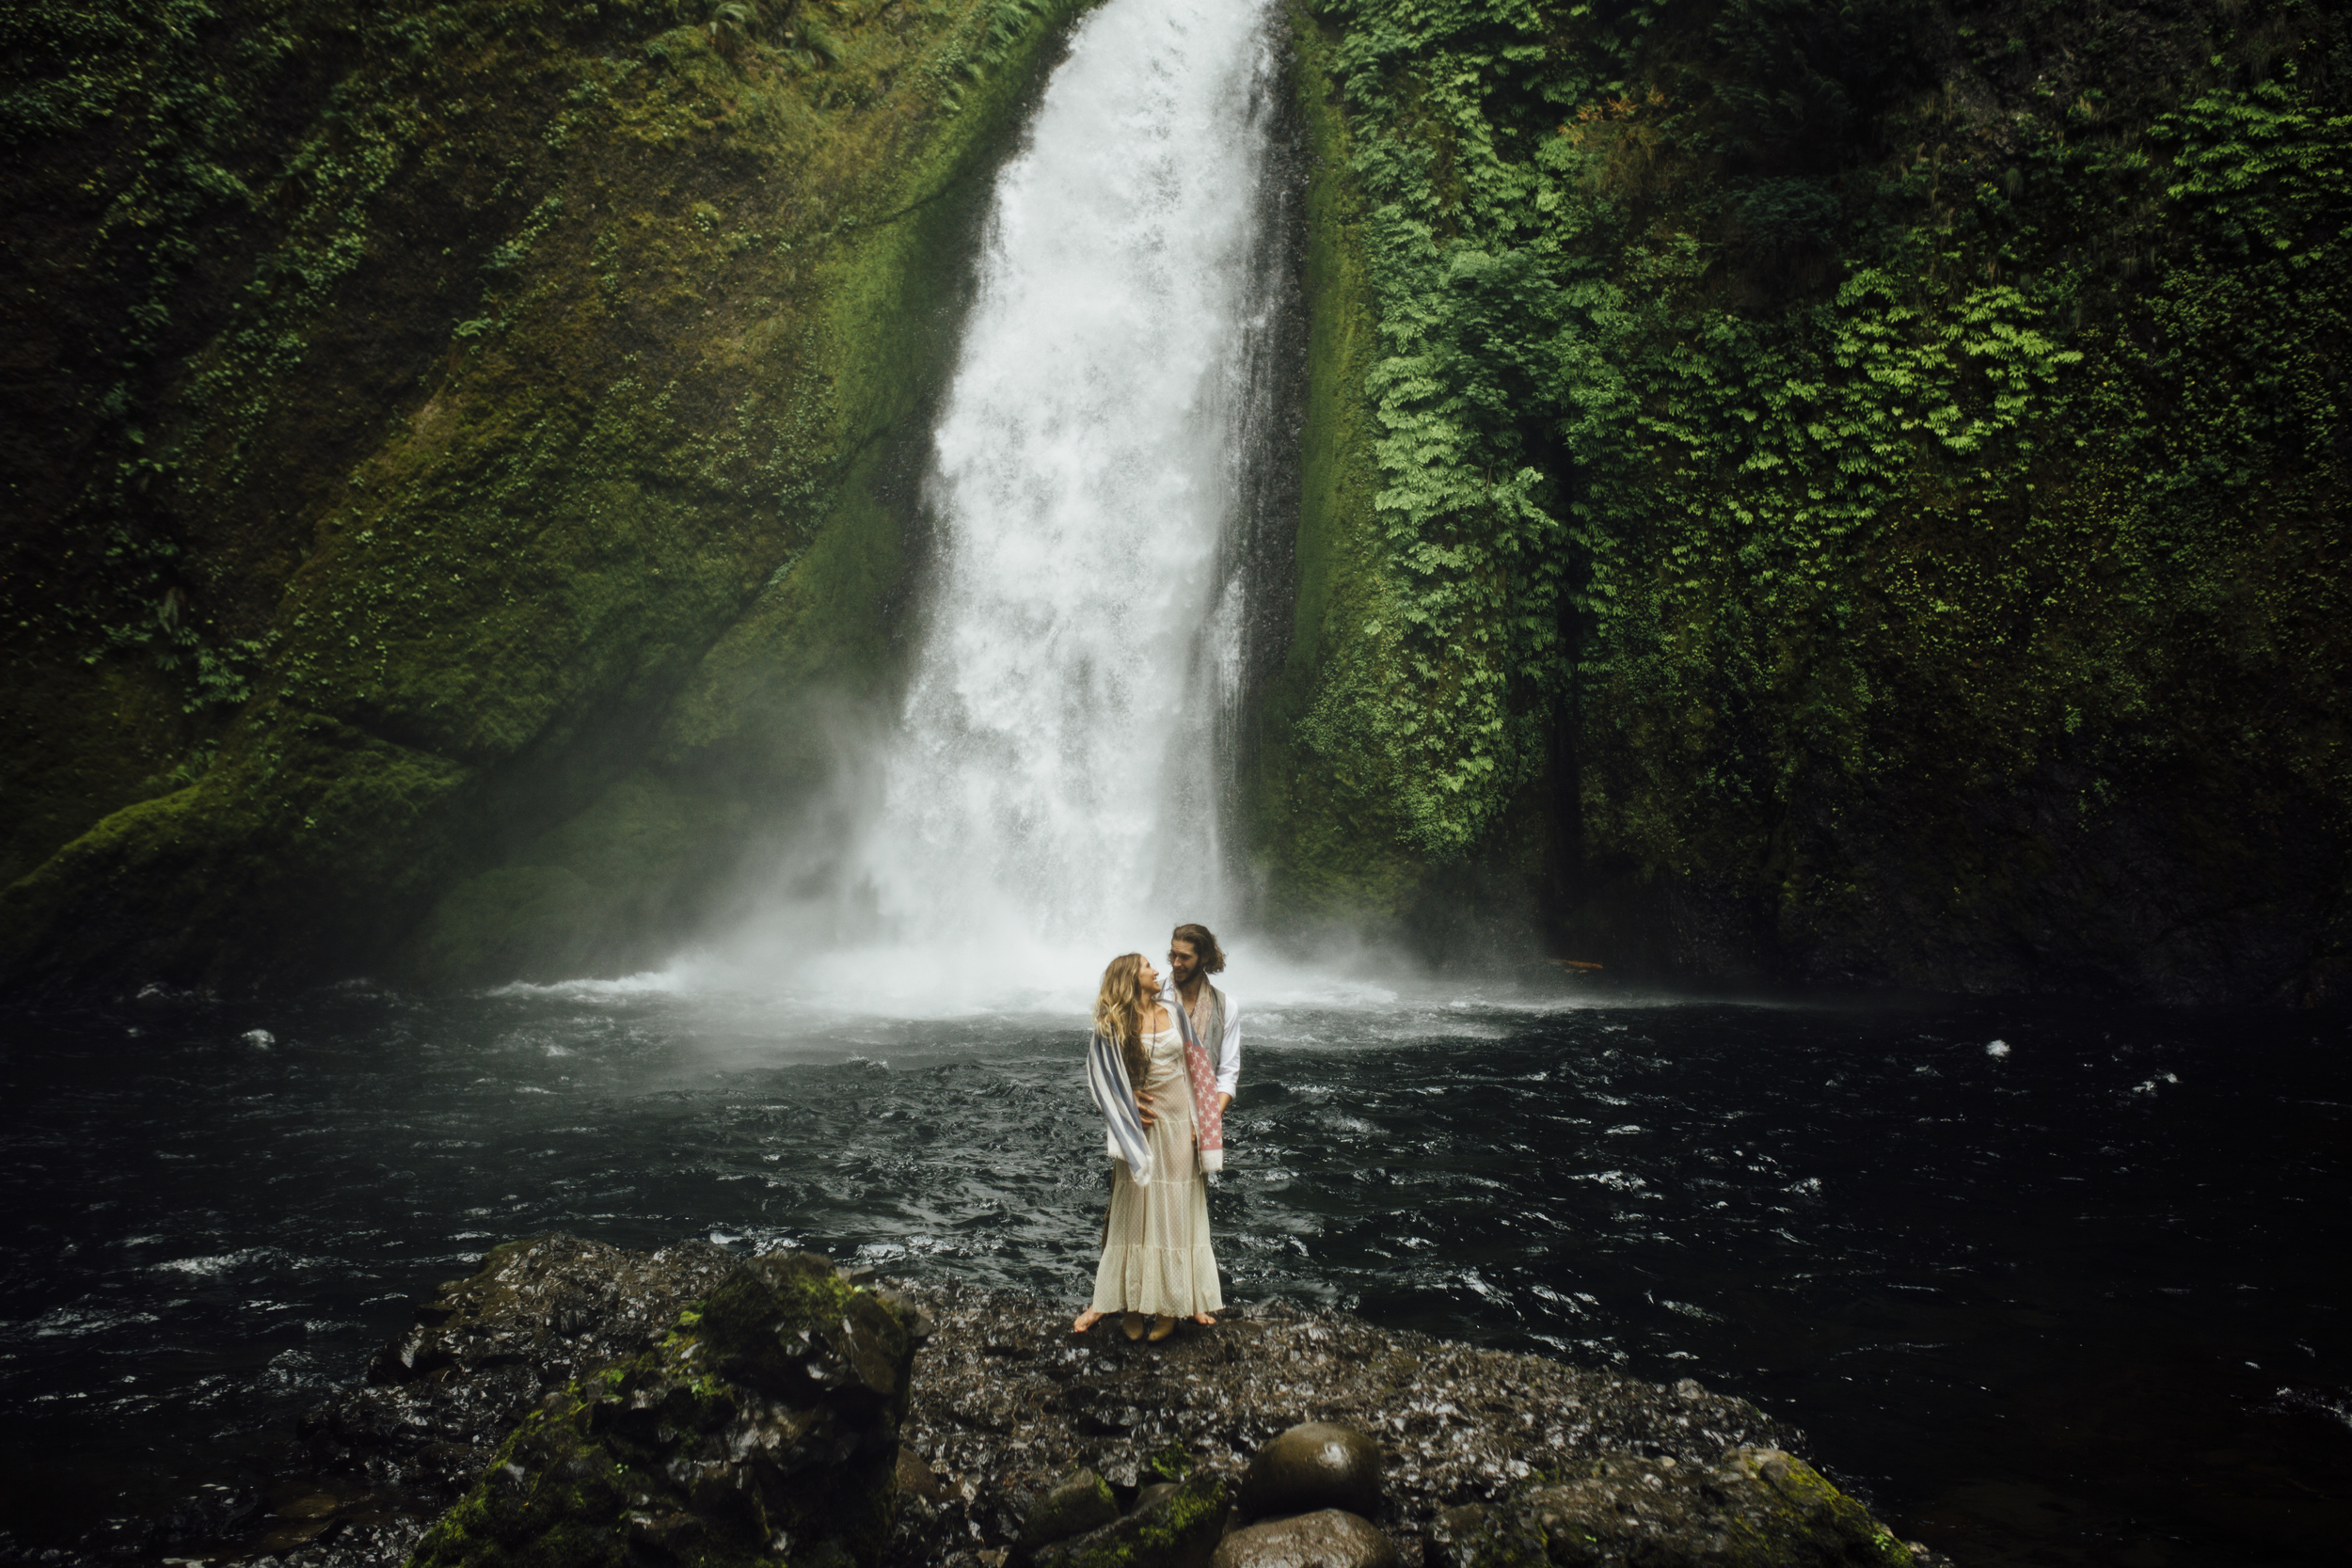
[{"x": 1052, "y": 786}]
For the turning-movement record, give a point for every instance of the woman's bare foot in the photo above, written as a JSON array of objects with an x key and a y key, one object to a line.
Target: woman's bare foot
[
  {"x": 1133, "y": 1325},
  {"x": 1161, "y": 1328},
  {"x": 1085, "y": 1321},
  {"x": 1204, "y": 1319}
]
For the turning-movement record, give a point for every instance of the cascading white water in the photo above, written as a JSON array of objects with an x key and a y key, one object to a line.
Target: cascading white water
[{"x": 1052, "y": 783}]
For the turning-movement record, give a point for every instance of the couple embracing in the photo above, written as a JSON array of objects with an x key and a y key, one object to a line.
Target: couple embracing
[{"x": 1162, "y": 1065}]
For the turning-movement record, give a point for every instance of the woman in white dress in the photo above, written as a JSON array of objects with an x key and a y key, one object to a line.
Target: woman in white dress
[{"x": 1157, "y": 1264}]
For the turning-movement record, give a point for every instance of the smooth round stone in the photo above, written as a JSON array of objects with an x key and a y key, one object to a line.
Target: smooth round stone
[
  {"x": 1327, "y": 1538},
  {"x": 1074, "y": 1506},
  {"x": 1316, "y": 1465}
]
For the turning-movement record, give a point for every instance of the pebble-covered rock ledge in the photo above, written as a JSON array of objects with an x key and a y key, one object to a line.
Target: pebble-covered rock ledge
[
  {"x": 1007, "y": 1402},
  {"x": 1486, "y": 1456}
]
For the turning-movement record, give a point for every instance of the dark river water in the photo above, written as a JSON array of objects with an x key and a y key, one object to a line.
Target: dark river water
[{"x": 2079, "y": 1298}]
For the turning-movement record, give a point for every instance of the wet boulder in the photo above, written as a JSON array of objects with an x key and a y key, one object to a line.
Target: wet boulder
[
  {"x": 560, "y": 1305},
  {"x": 539, "y": 1315},
  {"x": 1756, "y": 1508},
  {"x": 1316, "y": 1465},
  {"x": 1327, "y": 1538},
  {"x": 1180, "y": 1530},
  {"x": 1071, "y": 1507},
  {"x": 764, "y": 1427},
  {"x": 917, "y": 1480}
]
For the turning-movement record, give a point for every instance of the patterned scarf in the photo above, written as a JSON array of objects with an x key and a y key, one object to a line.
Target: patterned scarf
[
  {"x": 1113, "y": 1095},
  {"x": 1208, "y": 1122}
]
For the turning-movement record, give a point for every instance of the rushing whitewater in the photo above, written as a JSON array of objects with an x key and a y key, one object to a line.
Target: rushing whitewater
[{"x": 1053, "y": 780}]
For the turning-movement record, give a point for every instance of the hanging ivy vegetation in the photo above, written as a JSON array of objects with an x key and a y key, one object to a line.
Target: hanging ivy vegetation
[{"x": 1775, "y": 390}]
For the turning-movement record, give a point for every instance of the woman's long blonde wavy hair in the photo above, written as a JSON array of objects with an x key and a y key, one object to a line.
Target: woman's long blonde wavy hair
[{"x": 1120, "y": 1007}]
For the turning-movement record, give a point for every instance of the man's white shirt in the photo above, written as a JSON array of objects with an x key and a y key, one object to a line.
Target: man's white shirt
[{"x": 1229, "y": 1049}]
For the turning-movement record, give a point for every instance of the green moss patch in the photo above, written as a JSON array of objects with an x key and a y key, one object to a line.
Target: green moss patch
[
  {"x": 547, "y": 419},
  {"x": 763, "y": 1430}
]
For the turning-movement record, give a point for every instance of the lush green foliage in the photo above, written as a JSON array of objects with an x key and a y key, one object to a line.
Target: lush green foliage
[
  {"x": 511, "y": 448},
  {"x": 1744, "y": 362}
]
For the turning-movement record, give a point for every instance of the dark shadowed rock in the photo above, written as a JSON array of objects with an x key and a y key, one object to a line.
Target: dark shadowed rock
[
  {"x": 1003, "y": 1404},
  {"x": 764, "y": 1427},
  {"x": 1180, "y": 1530},
  {"x": 1327, "y": 1538},
  {"x": 917, "y": 1480},
  {"x": 1074, "y": 1506},
  {"x": 1448, "y": 1530},
  {"x": 1315, "y": 1464},
  {"x": 486, "y": 1349}
]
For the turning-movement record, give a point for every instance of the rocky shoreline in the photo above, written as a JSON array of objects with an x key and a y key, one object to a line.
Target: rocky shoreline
[{"x": 556, "y": 1345}]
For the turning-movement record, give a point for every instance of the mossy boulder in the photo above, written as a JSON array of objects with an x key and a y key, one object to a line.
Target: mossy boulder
[
  {"x": 1075, "y": 1506},
  {"x": 1180, "y": 1530},
  {"x": 1757, "y": 1508},
  {"x": 764, "y": 1429}
]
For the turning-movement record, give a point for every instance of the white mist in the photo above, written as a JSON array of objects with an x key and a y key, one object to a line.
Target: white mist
[{"x": 1048, "y": 798}]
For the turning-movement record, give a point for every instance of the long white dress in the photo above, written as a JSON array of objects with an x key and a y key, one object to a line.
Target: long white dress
[{"x": 1156, "y": 1256}]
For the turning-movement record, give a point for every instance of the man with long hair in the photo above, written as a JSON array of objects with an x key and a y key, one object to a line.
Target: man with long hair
[{"x": 1193, "y": 956}]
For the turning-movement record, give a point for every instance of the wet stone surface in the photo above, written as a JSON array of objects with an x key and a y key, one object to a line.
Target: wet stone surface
[
  {"x": 1327, "y": 1538},
  {"x": 763, "y": 1430},
  {"x": 537, "y": 1315},
  {"x": 1757, "y": 1508},
  {"x": 1477, "y": 1447},
  {"x": 389, "y": 1454},
  {"x": 1174, "y": 1526},
  {"x": 1008, "y": 1402},
  {"x": 1313, "y": 1465},
  {"x": 1072, "y": 1507}
]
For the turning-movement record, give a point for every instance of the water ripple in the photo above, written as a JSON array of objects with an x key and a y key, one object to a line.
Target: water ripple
[{"x": 1946, "y": 1276}]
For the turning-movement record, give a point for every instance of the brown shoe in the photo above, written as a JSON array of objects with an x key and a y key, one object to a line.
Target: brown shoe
[
  {"x": 1162, "y": 1328},
  {"x": 1133, "y": 1325}
]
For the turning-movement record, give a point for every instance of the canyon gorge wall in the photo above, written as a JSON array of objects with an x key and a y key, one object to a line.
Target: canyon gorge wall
[
  {"x": 1775, "y": 491},
  {"x": 1828, "y": 494},
  {"x": 462, "y": 460}
]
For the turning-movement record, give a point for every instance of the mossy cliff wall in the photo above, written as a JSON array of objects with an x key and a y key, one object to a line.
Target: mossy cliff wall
[
  {"x": 1789, "y": 490},
  {"x": 1829, "y": 492},
  {"x": 457, "y": 457}
]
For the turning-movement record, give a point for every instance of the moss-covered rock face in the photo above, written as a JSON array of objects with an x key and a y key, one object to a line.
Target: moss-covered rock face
[
  {"x": 1827, "y": 492},
  {"x": 764, "y": 1431},
  {"x": 463, "y": 452},
  {"x": 1326, "y": 835},
  {"x": 1177, "y": 1529},
  {"x": 1071, "y": 1506},
  {"x": 1759, "y": 1508}
]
